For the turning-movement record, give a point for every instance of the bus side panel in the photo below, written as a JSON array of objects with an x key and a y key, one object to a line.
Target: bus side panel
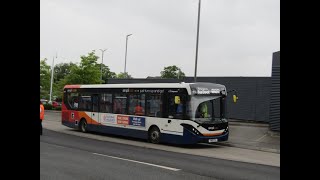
[
  {"x": 92, "y": 124},
  {"x": 64, "y": 115},
  {"x": 141, "y": 134},
  {"x": 69, "y": 118},
  {"x": 165, "y": 125},
  {"x": 187, "y": 138}
]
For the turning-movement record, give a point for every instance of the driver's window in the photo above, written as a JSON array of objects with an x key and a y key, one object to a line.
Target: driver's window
[{"x": 204, "y": 110}]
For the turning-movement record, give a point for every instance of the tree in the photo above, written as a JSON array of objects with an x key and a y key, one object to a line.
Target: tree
[
  {"x": 106, "y": 73},
  {"x": 86, "y": 73},
  {"x": 124, "y": 76},
  {"x": 62, "y": 70},
  {"x": 57, "y": 89},
  {"x": 172, "y": 72},
  {"x": 44, "y": 79}
]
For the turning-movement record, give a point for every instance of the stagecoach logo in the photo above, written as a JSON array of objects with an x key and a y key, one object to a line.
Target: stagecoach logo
[
  {"x": 203, "y": 90},
  {"x": 215, "y": 91},
  {"x": 211, "y": 128}
]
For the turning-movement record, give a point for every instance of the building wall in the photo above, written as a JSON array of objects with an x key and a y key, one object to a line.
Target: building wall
[{"x": 274, "y": 119}]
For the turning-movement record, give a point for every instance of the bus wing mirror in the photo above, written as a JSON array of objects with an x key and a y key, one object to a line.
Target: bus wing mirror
[
  {"x": 177, "y": 99},
  {"x": 235, "y": 98}
]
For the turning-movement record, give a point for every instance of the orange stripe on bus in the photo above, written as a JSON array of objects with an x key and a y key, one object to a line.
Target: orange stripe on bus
[
  {"x": 213, "y": 134},
  {"x": 89, "y": 120}
]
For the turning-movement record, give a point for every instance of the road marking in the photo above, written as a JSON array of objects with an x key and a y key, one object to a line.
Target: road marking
[{"x": 164, "y": 167}]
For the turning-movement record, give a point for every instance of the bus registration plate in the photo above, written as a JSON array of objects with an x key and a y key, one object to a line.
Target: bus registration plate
[{"x": 213, "y": 140}]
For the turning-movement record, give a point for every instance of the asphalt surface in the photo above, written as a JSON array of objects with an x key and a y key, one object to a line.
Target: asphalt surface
[
  {"x": 254, "y": 136},
  {"x": 53, "y": 122},
  {"x": 64, "y": 156}
]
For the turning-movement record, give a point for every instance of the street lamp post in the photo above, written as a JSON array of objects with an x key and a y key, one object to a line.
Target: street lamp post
[
  {"x": 196, "y": 63},
  {"x": 52, "y": 69},
  {"x": 125, "y": 60},
  {"x": 102, "y": 51}
]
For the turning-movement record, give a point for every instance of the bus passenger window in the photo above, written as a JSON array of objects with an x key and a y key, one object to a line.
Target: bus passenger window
[
  {"x": 154, "y": 108},
  {"x": 120, "y": 104},
  {"x": 137, "y": 104},
  {"x": 95, "y": 103},
  {"x": 85, "y": 102},
  {"x": 106, "y": 103}
]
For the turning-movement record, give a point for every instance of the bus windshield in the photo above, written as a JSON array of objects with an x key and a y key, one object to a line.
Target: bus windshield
[{"x": 206, "y": 108}]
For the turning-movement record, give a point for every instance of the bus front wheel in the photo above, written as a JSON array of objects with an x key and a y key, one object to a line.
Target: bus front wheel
[
  {"x": 83, "y": 125},
  {"x": 154, "y": 135}
]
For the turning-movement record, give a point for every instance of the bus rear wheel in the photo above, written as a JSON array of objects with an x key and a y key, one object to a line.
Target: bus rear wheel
[
  {"x": 154, "y": 135},
  {"x": 83, "y": 126}
]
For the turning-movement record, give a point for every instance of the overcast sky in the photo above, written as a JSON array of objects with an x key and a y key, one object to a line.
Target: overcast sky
[{"x": 237, "y": 37}]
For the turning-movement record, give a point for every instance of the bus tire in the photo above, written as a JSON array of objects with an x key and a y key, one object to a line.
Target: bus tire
[
  {"x": 154, "y": 135},
  {"x": 83, "y": 126}
]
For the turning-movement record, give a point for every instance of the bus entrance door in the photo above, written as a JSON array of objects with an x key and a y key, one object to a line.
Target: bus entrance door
[
  {"x": 172, "y": 126},
  {"x": 95, "y": 112}
]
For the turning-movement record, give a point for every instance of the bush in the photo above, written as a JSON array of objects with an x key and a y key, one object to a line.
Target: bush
[
  {"x": 58, "y": 108},
  {"x": 47, "y": 106}
]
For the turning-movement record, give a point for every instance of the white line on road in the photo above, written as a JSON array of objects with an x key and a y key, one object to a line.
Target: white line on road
[{"x": 164, "y": 167}]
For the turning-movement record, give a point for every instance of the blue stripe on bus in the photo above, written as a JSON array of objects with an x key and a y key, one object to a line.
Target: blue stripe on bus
[
  {"x": 119, "y": 131},
  {"x": 68, "y": 124},
  {"x": 187, "y": 138},
  {"x": 112, "y": 130}
]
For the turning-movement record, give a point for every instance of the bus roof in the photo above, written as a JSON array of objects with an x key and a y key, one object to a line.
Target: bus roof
[{"x": 149, "y": 85}]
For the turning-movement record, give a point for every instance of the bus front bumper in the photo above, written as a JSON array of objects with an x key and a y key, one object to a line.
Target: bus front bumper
[{"x": 193, "y": 138}]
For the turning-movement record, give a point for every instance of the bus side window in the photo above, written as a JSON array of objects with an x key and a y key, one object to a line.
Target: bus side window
[
  {"x": 95, "y": 103},
  {"x": 137, "y": 104},
  {"x": 106, "y": 103},
  {"x": 154, "y": 108},
  {"x": 85, "y": 102},
  {"x": 120, "y": 104}
]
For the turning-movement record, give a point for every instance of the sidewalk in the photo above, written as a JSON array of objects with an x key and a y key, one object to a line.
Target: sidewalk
[
  {"x": 246, "y": 135},
  {"x": 251, "y": 135}
]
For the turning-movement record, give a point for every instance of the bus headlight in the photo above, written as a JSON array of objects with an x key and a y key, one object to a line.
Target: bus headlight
[
  {"x": 226, "y": 130},
  {"x": 191, "y": 128}
]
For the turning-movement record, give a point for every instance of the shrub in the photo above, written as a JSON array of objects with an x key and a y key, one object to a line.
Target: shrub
[
  {"x": 58, "y": 108},
  {"x": 47, "y": 106}
]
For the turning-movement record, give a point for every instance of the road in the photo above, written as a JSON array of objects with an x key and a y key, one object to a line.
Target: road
[
  {"x": 53, "y": 122},
  {"x": 64, "y": 156}
]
